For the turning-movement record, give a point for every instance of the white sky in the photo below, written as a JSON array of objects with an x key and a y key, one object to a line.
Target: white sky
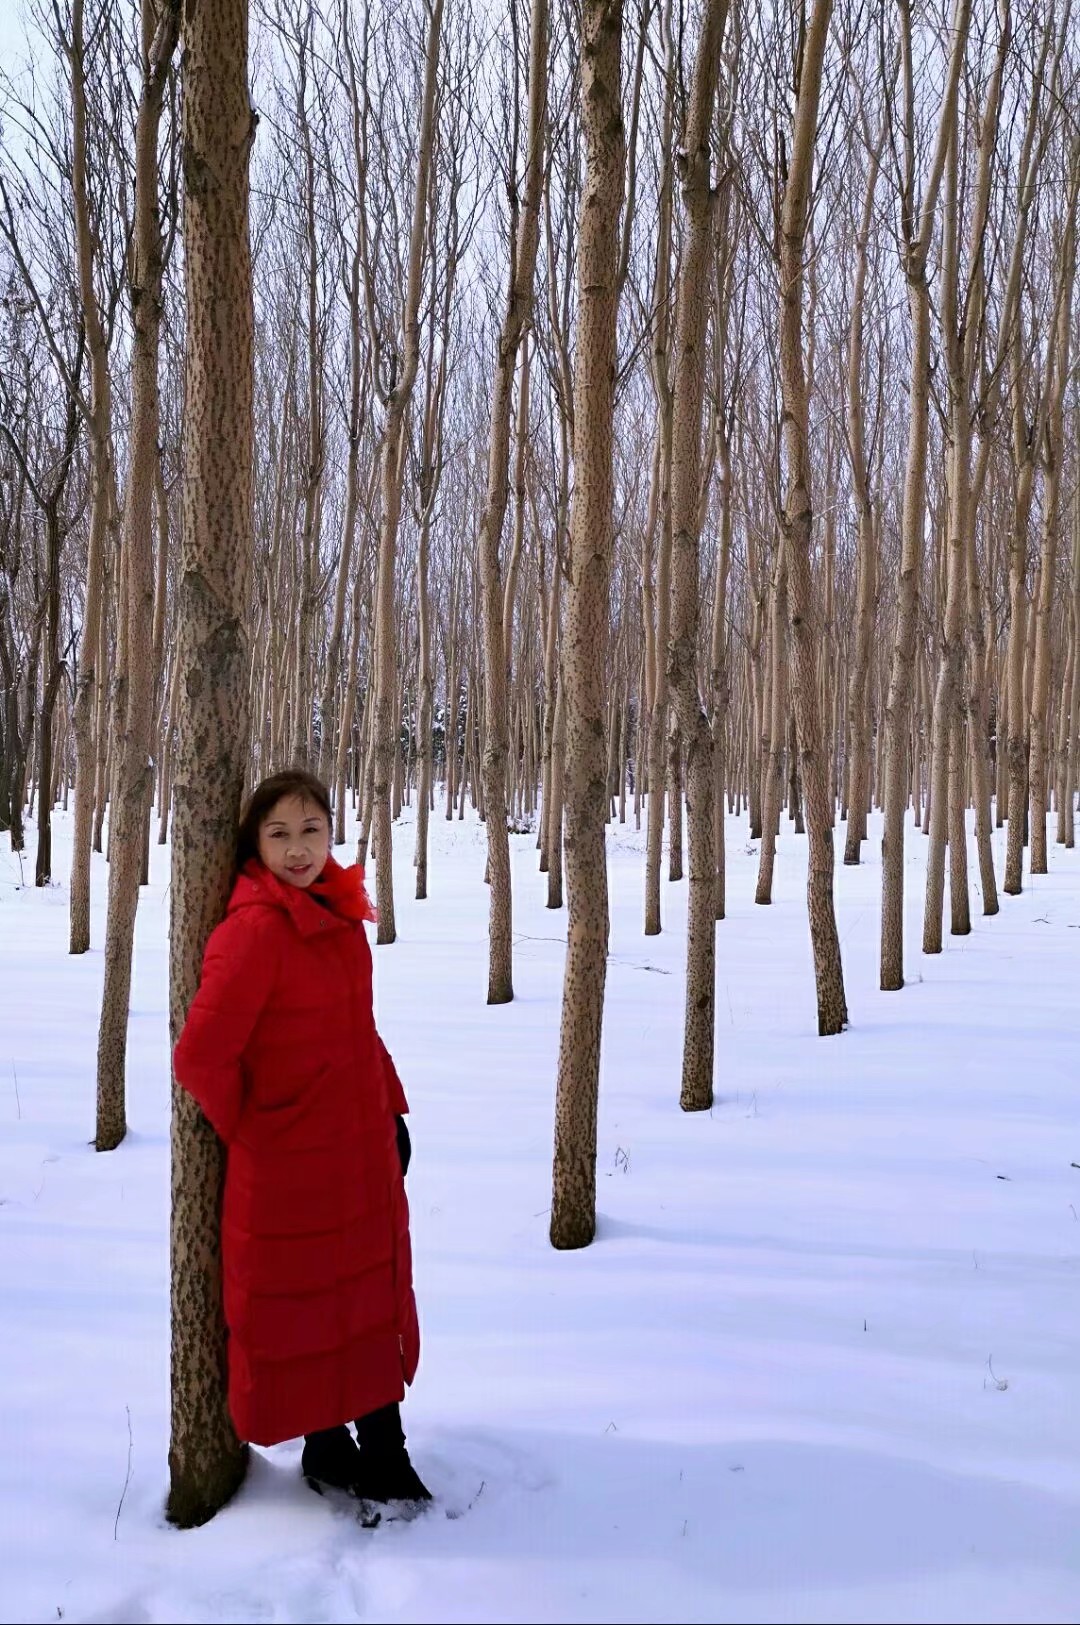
[{"x": 12, "y": 33}]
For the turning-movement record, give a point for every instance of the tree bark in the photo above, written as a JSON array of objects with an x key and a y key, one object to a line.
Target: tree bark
[
  {"x": 918, "y": 229},
  {"x": 206, "y": 1460},
  {"x": 797, "y": 526},
  {"x": 517, "y": 316},
  {"x": 99, "y": 423},
  {"x": 573, "y": 1208},
  {"x": 945, "y": 827},
  {"x": 1053, "y": 451},
  {"x": 689, "y": 388},
  {"x": 160, "y": 23},
  {"x": 865, "y": 548},
  {"x": 393, "y": 450}
]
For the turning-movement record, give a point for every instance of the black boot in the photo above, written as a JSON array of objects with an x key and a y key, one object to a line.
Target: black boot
[
  {"x": 331, "y": 1459},
  {"x": 385, "y": 1471}
]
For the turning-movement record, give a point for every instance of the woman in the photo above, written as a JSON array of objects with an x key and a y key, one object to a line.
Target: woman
[{"x": 280, "y": 1051}]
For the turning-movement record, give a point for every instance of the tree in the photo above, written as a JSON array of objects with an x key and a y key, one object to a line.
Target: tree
[
  {"x": 797, "y": 529},
  {"x": 573, "y": 1207},
  {"x": 695, "y": 163},
  {"x": 917, "y": 227},
  {"x": 524, "y": 238},
  {"x": 102, "y": 496},
  {"x": 206, "y": 1461},
  {"x": 160, "y": 23},
  {"x": 395, "y": 400}
]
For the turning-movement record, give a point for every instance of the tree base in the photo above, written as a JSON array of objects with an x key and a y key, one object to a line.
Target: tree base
[
  {"x": 191, "y": 1505},
  {"x": 570, "y": 1234}
]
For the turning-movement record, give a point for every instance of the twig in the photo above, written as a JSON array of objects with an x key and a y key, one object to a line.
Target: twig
[
  {"x": 127, "y": 1479},
  {"x": 18, "y": 1102},
  {"x": 1000, "y": 1383}
]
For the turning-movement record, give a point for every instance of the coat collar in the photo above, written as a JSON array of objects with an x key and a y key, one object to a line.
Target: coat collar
[{"x": 342, "y": 898}]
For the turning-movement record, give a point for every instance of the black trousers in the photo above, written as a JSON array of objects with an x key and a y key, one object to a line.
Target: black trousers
[{"x": 379, "y": 1430}]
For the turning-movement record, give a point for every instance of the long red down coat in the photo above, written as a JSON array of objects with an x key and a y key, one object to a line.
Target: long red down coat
[{"x": 280, "y": 1051}]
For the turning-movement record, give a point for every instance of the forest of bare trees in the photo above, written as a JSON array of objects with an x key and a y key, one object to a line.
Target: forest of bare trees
[{"x": 579, "y": 411}]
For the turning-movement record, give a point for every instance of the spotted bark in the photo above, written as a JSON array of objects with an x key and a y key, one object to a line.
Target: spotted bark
[
  {"x": 130, "y": 806},
  {"x": 797, "y": 527},
  {"x": 206, "y": 1461},
  {"x": 516, "y": 318},
  {"x": 99, "y": 424},
  {"x": 919, "y": 222},
  {"x": 573, "y": 1207}
]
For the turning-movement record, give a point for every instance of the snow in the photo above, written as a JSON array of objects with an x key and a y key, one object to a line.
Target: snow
[{"x": 819, "y": 1364}]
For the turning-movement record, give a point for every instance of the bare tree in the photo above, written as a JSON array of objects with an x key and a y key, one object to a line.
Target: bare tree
[
  {"x": 160, "y": 23},
  {"x": 524, "y": 239},
  {"x": 206, "y": 1461},
  {"x": 797, "y": 526},
  {"x": 918, "y": 216},
  {"x": 573, "y": 1209}
]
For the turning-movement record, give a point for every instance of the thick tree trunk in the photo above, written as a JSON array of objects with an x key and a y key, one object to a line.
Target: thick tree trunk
[
  {"x": 797, "y": 526},
  {"x": 898, "y": 714},
  {"x": 573, "y": 1208},
  {"x": 425, "y": 721},
  {"x": 945, "y": 825},
  {"x": 865, "y": 559},
  {"x": 1016, "y": 739},
  {"x": 688, "y": 389},
  {"x": 160, "y": 25},
  {"x": 357, "y": 412},
  {"x": 206, "y": 1460},
  {"x": 657, "y": 641},
  {"x": 775, "y": 728},
  {"x": 554, "y": 814},
  {"x": 518, "y": 313},
  {"x": 393, "y": 448},
  {"x": 1052, "y": 459},
  {"x": 1071, "y": 701},
  {"x": 720, "y": 671},
  {"x": 91, "y": 674}
]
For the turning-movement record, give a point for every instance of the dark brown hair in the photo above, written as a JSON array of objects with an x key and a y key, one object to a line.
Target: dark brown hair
[{"x": 265, "y": 797}]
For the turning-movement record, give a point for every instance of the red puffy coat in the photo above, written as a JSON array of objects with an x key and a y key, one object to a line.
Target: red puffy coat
[{"x": 280, "y": 1051}]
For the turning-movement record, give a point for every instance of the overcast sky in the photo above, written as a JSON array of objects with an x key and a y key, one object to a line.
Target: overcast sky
[
  {"x": 14, "y": 51},
  {"x": 11, "y": 31}
]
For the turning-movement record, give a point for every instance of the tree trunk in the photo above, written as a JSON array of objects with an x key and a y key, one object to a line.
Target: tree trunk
[
  {"x": 393, "y": 450},
  {"x": 519, "y": 302},
  {"x": 160, "y": 24},
  {"x": 91, "y": 676},
  {"x": 699, "y": 1029},
  {"x": 1053, "y": 451},
  {"x": 776, "y": 707},
  {"x": 573, "y": 1208},
  {"x": 865, "y": 559},
  {"x": 945, "y": 826},
  {"x": 206, "y": 1460},
  {"x": 898, "y": 713},
  {"x": 797, "y": 525}
]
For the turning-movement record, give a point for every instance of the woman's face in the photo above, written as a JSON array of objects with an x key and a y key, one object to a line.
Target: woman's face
[{"x": 294, "y": 841}]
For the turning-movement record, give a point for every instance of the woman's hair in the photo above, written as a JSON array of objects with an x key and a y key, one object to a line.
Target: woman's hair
[{"x": 265, "y": 796}]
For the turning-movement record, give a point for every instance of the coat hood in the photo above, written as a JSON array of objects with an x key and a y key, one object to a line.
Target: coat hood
[{"x": 339, "y": 890}]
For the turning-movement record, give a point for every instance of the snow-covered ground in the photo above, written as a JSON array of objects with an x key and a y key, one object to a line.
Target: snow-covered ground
[{"x": 821, "y": 1363}]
